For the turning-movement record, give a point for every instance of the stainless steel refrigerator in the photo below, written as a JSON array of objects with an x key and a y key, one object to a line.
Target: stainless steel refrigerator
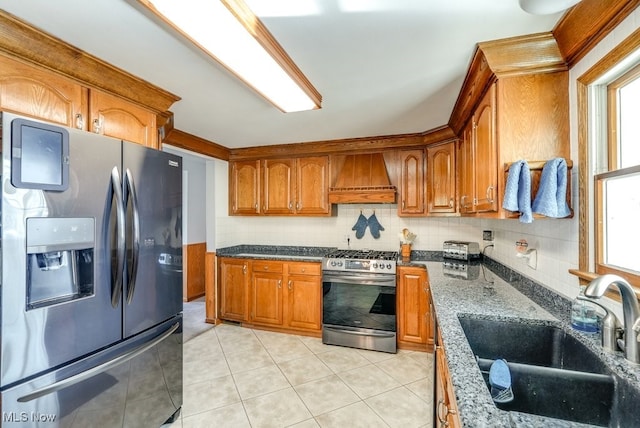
[{"x": 91, "y": 319}]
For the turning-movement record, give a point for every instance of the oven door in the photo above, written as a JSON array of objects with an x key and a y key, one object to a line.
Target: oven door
[{"x": 359, "y": 310}]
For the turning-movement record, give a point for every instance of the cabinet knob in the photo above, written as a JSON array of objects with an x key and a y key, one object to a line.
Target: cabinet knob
[
  {"x": 244, "y": 269},
  {"x": 279, "y": 283},
  {"x": 451, "y": 203},
  {"x": 290, "y": 206},
  {"x": 298, "y": 206},
  {"x": 290, "y": 285},
  {"x": 79, "y": 121},
  {"x": 266, "y": 268}
]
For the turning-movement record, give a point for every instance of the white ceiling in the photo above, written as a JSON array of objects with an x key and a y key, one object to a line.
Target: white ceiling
[{"x": 383, "y": 67}]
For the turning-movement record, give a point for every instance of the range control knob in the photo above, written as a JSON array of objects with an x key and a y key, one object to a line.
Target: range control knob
[
  {"x": 333, "y": 262},
  {"x": 382, "y": 266},
  {"x": 375, "y": 265},
  {"x": 389, "y": 266}
]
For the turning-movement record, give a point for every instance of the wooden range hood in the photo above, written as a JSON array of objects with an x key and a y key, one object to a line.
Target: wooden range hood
[{"x": 363, "y": 179}]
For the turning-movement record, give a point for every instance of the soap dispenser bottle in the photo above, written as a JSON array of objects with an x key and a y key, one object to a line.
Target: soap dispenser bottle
[{"x": 584, "y": 315}]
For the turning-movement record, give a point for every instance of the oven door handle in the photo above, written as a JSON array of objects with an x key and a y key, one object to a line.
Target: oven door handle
[
  {"x": 360, "y": 280},
  {"x": 360, "y": 333}
]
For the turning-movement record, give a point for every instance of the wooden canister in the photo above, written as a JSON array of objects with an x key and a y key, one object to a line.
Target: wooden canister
[{"x": 405, "y": 251}]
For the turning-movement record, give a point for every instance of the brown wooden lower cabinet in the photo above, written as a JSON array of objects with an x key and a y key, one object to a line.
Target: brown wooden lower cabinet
[
  {"x": 304, "y": 297},
  {"x": 415, "y": 322},
  {"x": 445, "y": 408},
  {"x": 266, "y": 292},
  {"x": 271, "y": 294},
  {"x": 233, "y": 289}
]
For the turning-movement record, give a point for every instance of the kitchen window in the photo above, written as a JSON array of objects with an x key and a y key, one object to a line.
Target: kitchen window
[
  {"x": 617, "y": 199},
  {"x": 609, "y": 145}
]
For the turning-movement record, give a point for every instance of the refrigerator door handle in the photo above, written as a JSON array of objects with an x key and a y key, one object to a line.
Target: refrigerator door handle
[
  {"x": 133, "y": 265},
  {"x": 116, "y": 283},
  {"x": 57, "y": 386}
]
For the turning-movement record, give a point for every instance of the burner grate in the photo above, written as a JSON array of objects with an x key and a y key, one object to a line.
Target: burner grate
[{"x": 363, "y": 254}]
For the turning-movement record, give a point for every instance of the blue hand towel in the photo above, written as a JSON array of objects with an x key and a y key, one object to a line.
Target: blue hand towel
[
  {"x": 517, "y": 194},
  {"x": 551, "y": 199}
]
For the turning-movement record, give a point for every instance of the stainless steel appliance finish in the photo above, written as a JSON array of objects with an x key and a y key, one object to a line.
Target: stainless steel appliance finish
[
  {"x": 83, "y": 312},
  {"x": 460, "y": 250},
  {"x": 361, "y": 261},
  {"x": 359, "y": 299}
]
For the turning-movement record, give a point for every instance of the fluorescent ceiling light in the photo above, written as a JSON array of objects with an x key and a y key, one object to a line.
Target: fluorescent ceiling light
[
  {"x": 229, "y": 32},
  {"x": 546, "y": 7}
]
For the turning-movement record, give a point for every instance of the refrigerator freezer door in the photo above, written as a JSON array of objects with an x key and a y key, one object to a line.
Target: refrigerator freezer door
[
  {"x": 137, "y": 383},
  {"x": 153, "y": 197},
  {"x": 57, "y": 322}
]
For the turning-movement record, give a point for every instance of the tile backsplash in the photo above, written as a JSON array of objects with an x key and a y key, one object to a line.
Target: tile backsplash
[{"x": 555, "y": 240}]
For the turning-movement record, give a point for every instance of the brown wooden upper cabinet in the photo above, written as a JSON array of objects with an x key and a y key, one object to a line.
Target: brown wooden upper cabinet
[
  {"x": 441, "y": 178},
  {"x": 280, "y": 187},
  {"x": 28, "y": 90},
  {"x": 411, "y": 201},
  {"x": 43, "y": 94},
  {"x": 112, "y": 116},
  {"x": 244, "y": 186},
  {"x": 478, "y": 163},
  {"x": 514, "y": 105}
]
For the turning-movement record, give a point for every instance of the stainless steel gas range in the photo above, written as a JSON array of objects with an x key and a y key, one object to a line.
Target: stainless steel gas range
[{"x": 359, "y": 299}]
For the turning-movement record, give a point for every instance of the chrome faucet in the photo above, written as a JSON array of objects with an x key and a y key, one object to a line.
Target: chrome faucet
[{"x": 630, "y": 310}]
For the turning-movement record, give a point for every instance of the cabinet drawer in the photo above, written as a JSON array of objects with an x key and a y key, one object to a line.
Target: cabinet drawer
[
  {"x": 304, "y": 268},
  {"x": 266, "y": 266}
]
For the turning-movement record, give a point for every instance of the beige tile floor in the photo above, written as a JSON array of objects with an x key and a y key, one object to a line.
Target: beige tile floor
[{"x": 239, "y": 377}]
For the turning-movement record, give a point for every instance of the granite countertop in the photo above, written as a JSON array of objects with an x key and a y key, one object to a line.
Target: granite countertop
[
  {"x": 275, "y": 252},
  {"x": 489, "y": 296}
]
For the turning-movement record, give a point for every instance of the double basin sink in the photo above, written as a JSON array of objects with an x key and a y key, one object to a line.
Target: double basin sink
[{"x": 553, "y": 374}]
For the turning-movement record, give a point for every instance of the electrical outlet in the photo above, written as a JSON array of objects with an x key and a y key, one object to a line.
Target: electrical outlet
[{"x": 487, "y": 235}]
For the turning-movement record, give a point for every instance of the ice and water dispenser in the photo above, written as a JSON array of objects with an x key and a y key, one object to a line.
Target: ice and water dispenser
[{"x": 60, "y": 258}]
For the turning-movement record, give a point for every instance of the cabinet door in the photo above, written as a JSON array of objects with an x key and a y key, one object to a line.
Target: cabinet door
[
  {"x": 312, "y": 185},
  {"x": 115, "y": 117},
  {"x": 266, "y": 300},
  {"x": 466, "y": 170},
  {"x": 414, "y": 320},
  {"x": 245, "y": 187},
  {"x": 412, "y": 183},
  {"x": 304, "y": 302},
  {"x": 445, "y": 409},
  {"x": 28, "y": 90},
  {"x": 441, "y": 181},
  {"x": 485, "y": 151},
  {"x": 233, "y": 289},
  {"x": 277, "y": 188}
]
